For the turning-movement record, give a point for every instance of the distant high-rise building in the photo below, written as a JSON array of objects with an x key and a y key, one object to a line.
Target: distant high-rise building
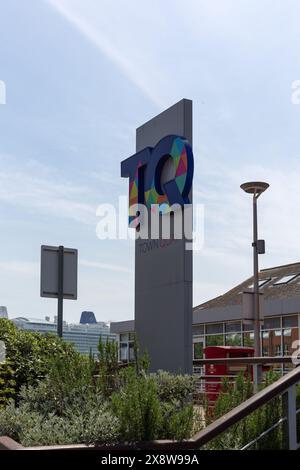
[
  {"x": 85, "y": 337},
  {"x": 3, "y": 312},
  {"x": 87, "y": 317}
]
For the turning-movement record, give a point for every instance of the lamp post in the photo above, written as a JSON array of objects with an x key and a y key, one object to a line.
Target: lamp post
[{"x": 256, "y": 188}]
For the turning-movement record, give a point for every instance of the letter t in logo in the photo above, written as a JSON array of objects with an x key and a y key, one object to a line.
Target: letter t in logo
[{"x": 134, "y": 169}]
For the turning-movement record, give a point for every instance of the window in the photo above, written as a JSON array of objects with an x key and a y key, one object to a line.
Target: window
[
  {"x": 126, "y": 349},
  {"x": 215, "y": 340},
  {"x": 214, "y": 328},
  {"x": 131, "y": 352},
  {"x": 233, "y": 327},
  {"x": 198, "y": 329},
  {"x": 124, "y": 337},
  {"x": 198, "y": 350},
  {"x": 285, "y": 279},
  {"x": 271, "y": 342},
  {"x": 290, "y": 321},
  {"x": 123, "y": 352},
  {"x": 261, "y": 282},
  {"x": 248, "y": 339},
  {"x": 233, "y": 339},
  {"x": 249, "y": 326},
  {"x": 271, "y": 323}
]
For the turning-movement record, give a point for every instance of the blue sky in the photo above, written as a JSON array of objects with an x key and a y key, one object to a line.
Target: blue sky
[{"x": 81, "y": 75}]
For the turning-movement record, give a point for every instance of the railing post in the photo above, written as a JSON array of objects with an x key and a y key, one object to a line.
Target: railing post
[{"x": 290, "y": 413}]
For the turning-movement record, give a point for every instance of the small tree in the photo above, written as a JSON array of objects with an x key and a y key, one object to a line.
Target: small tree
[
  {"x": 108, "y": 366},
  {"x": 137, "y": 407}
]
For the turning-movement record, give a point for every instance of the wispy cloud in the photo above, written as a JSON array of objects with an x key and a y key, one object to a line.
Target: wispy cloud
[
  {"x": 33, "y": 187},
  {"x": 105, "y": 266},
  {"x": 131, "y": 70},
  {"x": 19, "y": 267}
]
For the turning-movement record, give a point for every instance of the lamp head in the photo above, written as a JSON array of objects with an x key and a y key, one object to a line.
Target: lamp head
[{"x": 254, "y": 187}]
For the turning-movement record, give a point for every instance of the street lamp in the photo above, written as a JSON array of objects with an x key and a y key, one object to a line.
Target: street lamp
[{"x": 256, "y": 188}]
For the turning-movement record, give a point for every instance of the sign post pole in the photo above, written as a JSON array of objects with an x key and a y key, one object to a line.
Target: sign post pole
[{"x": 60, "y": 297}]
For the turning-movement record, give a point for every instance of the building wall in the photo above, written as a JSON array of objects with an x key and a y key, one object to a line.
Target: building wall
[{"x": 278, "y": 333}]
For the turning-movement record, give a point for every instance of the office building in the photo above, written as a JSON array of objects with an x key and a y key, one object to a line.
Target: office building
[
  {"x": 85, "y": 337},
  {"x": 220, "y": 320}
]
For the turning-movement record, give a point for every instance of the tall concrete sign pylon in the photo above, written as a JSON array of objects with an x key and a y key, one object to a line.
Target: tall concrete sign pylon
[{"x": 161, "y": 172}]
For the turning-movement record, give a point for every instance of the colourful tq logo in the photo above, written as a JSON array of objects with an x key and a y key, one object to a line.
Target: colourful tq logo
[{"x": 160, "y": 175}]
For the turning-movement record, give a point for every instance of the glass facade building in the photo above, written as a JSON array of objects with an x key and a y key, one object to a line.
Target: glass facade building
[{"x": 278, "y": 334}]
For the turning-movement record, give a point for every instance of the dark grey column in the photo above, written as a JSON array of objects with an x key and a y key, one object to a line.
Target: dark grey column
[{"x": 164, "y": 270}]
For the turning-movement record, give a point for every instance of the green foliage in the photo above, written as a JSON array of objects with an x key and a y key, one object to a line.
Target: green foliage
[
  {"x": 108, "y": 366},
  {"x": 147, "y": 410},
  {"x": 59, "y": 400},
  {"x": 176, "y": 421},
  {"x": 137, "y": 407},
  {"x": 30, "y": 428},
  {"x": 65, "y": 407},
  {"x": 232, "y": 395},
  {"x": 142, "y": 361},
  {"x": 172, "y": 387},
  {"x": 68, "y": 383},
  {"x": 253, "y": 425},
  {"x": 29, "y": 354},
  {"x": 7, "y": 383}
]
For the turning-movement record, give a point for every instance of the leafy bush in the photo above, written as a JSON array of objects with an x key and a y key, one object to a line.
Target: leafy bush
[
  {"x": 145, "y": 413},
  {"x": 65, "y": 407},
  {"x": 108, "y": 366},
  {"x": 58, "y": 399},
  {"x": 172, "y": 387},
  {"x": 29, "y": 354},
  {"x": 253, "y": 425},
  {"x": 7, "y": 383},
  {"x": 177, "y": 421},
  {"x": 15, "y": 421},
  {"x": 137, "y": 407},
  {"x": 31, "y": 428}
]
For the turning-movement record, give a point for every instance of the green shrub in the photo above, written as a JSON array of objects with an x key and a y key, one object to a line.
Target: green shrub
[
  {"x": 65, "y": 407},
  {"x": 146, "y": 413},
  {"x": 29, "y": 354},
  {"x": 59, "y": 401},
  {"x": 176, "y": 421},
  {"x": 7, "y": 383},
  {"x": 69, "y": 384},
  {"x": 31, "y": 428},
  {"x": 172, "y": 387},
  {"x": 14, "y": 420},
  {"x": 137, "y": 407},
  {"x": 108, "y": 367},
  {"x": 253, "y": 425}
]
